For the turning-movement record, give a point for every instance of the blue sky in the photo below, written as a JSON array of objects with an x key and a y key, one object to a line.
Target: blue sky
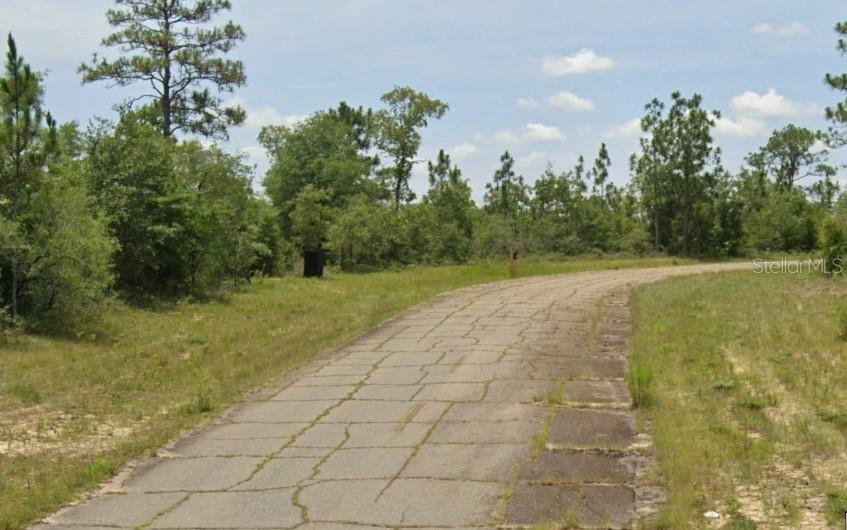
[{"x": 547, "y": 80}]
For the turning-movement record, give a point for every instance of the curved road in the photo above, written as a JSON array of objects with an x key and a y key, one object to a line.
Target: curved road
[{"x": 496, "y": 405}]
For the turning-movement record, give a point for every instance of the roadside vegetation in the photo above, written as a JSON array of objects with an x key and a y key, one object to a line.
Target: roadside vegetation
[{"x": 748, "y": 400}]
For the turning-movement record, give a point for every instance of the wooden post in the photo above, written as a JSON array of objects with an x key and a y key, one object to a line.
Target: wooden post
[{"x": 513, "y": 264}]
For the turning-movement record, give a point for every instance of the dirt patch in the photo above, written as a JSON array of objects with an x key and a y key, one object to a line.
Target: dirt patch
[{"x": 34, "y": 430}]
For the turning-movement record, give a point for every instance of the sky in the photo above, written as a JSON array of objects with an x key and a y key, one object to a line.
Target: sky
[{"x": 547, "y": 80}]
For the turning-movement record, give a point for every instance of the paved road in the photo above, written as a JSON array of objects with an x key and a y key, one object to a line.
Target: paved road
[{"x": 501, "y": 404}]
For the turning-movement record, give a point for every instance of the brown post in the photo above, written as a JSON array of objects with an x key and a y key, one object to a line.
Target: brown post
[{"x": 513, "y": 264}]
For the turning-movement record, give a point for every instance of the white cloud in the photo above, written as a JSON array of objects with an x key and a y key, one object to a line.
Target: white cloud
[
  {"x": 530, "y": 133},
  {"x": 582, "y": 62},
  {"x": 743, "y": 126},
  {"x": 463, "y": 150},
  {"x": 528, "y": 103},
  {"x": 627, "y": 129},
  {"x": 259, "y": 117},
  {"x": 792, "y": 29},
  {"x": 818, "y": 146},
  {"x": 506, "y": 137},
  {"x": 771, "y": 105},
  {"x": 569, "y": 101},
  {"x": 538, "y": 132}
]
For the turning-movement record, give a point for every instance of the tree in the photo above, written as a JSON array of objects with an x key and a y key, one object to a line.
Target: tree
[
  {"x": 327, "y": 151},
  {"x": 399, "y": 136},
  {"x": 838, "y": 113},
  {"x": 311, "y": 217},
  {"x": 507, "y": 197},
  {"x": 825, "y": 190},
  {"x": 54, "y": 251},
  {"x": 366, "y": 236},
  {"x": 506, "y": 194},
  {"x": 600, "y": 174},
  {"x": 792, "y": 154},
  {"x": 677, "y": 170},
  {"x": 24, "y": 153},
  {"x": 450, "y": 197},
  {"x": 166, "y": 45}
]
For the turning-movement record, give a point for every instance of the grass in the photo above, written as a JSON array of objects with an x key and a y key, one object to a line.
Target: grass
[
  {"x": 749, "y": 395},
  {"x": 73, "y": 410}
]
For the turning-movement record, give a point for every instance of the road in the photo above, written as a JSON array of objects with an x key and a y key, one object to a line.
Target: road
[{"x": 496, "y": 405}]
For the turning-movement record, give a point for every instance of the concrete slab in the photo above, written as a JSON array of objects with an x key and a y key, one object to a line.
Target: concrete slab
[
  {"x": 607, "y": 392},
  {"x": 387, "y": 392},
  {"x": 451, "y": 392},
  {"x": 592, "y": 429},
  {"x": 488, "y": 463},
  {"x": 470, "y": 432},
  {"x": 578, "y": 467},
  {"x": 203, "y": 446},
  {"x": 118, "y": 510},
  {"x": 387, "y": 434},
  {"x": 406, "y": 502},
  {"x": 255, "y": 509},
  {"x": 190, "y": 474},
  {"x": 369, "y": 411},
  {"x": 313, "y": 393},
  {"x": 592, "y": 506},
  {"x": 249, "y": 431},
  {"x": 280, "y": 473},
  {"x": 281, "y": 411},
  {"x": 322, "y": 435},
  {"x": 382, "y": 462}
]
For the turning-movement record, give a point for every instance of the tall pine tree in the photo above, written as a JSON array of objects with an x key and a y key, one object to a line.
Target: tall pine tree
[{"x": 166, "y": 45}]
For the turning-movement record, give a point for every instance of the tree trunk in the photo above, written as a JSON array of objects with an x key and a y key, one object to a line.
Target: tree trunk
[
  {"x": 166, "y": 81},
  {"x": 313, "y": 263}
]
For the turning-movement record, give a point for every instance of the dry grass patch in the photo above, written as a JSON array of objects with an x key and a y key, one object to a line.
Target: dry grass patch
[{"x": 750, "y": 379}]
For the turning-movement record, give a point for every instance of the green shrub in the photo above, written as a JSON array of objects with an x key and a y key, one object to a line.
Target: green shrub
[
  {"x": 833, "y": 245},
  {"x": 836, "y": 504},
  {"x": 639, "y": 380}
]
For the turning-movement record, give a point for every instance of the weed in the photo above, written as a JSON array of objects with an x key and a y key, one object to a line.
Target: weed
[
  {"x": 556, "y": 396},
  {"x": 739, "y": 522},
  {"x": 27, "y": 393},
  {"x": 539, "y": 441},
  {"x": 756, "y": 401},
  {"x": 639, "y": 380},
  {"x": 836, "y": 504},
  {"x": 723, "y": 385},
  {"x": 838, "y": 418}
]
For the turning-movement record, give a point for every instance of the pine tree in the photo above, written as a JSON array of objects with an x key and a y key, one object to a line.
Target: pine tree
[
  {"x": 408, "y": 111},
  {"x": 166, "y": 44},
  {"x": 600, "y": 174},
  {"x": 23, "y": 150},
  {"x": 838, "y": 113}
]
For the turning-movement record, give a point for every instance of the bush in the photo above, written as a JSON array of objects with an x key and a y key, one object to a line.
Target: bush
[
  {"x": 639, "y": 380},
  {"x": 366, "y": 236},
  {"x": 833, "y": 245},
  {"x": 836, "y": 504}
]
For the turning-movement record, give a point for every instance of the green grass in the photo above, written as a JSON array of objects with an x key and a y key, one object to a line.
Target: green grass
[
  {"x": 76, "y": 409},
  {"x": 749, "y": 392}
]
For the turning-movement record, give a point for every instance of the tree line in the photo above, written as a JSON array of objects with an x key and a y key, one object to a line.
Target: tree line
[{"x": 148, "y": 206}]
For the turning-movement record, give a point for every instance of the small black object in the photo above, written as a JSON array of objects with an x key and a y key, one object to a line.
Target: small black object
[{"x": 313, "y": 263}]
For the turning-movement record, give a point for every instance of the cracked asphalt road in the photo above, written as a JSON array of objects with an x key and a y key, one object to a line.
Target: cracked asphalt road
[{"x": 495, "y": 405}]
